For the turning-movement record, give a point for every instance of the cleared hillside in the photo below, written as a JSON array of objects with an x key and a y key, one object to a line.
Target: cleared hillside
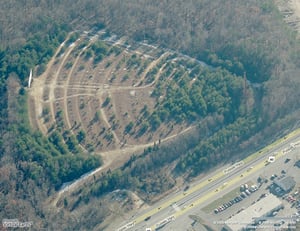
[
  {"x": 108, "y": 97},
  {"x": 97, "y": 96}
]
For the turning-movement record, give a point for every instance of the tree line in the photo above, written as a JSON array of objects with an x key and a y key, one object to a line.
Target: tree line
[{"x": 53, "y": 160}]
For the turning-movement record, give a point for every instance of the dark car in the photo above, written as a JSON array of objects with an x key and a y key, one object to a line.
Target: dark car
[
  {"x": 237, "y": 199},
  {"x": 147, "y": 218},
  {"x": 186, "y": 188}
]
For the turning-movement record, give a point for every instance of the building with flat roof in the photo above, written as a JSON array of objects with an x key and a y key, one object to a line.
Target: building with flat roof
[
  {"x": 253, "y": 214},
  {"x": 283, "y": 185}
]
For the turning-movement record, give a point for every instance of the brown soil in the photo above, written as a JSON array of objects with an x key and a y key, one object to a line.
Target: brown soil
[{"x": 78, "y": 87}]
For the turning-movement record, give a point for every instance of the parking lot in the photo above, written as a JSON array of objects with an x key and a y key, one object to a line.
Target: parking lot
[
  {"x": 245, "y": 191},
  {"x": 260, "y": 187}
]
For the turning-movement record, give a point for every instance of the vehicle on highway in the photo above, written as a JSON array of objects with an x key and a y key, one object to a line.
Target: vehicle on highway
[{"x": 147, "y": 218}]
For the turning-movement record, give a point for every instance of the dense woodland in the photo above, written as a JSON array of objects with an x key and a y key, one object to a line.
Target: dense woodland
[{"x": 235, "y": 37}]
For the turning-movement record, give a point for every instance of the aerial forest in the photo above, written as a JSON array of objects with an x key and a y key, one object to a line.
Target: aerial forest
[{"x": 237, "y": 88}]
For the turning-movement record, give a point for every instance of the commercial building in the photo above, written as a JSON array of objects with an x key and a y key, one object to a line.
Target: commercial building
[
  {"x": 282, "y": 186},
  {"x": 253, "y": 214}
]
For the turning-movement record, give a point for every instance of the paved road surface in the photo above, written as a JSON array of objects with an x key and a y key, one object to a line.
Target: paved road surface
[{"x": 212, "y": 187}]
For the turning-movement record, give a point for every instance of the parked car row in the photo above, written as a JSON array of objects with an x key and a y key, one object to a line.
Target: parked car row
[
  {"x": 228, "y": 204},
  {"x": 245, "y": 188},
  {"x": 246, "y": 192}
]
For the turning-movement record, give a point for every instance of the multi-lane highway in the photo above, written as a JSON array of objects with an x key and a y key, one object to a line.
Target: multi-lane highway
[{"x": 211, "y": 187}]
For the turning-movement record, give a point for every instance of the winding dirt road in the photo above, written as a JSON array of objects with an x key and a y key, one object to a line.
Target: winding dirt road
[
  {"x": 43, "y": 92},
  {"x": 37, "y": 89},
  {"x": 115, "y": 158}
]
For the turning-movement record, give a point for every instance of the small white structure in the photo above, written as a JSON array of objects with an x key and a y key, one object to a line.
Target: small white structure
[
  {"x": 271, "y": 159},
  {"x": 30, "y": 79}
]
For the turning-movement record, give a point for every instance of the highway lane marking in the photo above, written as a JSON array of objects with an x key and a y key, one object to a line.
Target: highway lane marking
[
  {"x": 254, "y": 169},
  {"x": 233, "y": 167},
  {"x": 296, "y": 144},
  {"x": 272, "y": 145},
  {"x": 127, "y": 226},
  {"x": 232, "y": 182},
  {"x": 176, "y": 207},
  {"x": 178, "y": 197},
  {"x": 164, "y": 221},
  {"x": 213, "y": 192},
  {"x": 219, "y": 175}
]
